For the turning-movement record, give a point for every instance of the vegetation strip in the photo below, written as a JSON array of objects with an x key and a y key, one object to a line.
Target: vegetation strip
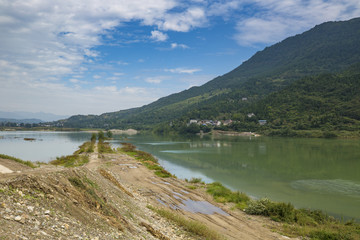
[
  {"x": 154, "y": 232},
  {"x": 112, "y": 179},
  {"x": 97, "y": 203},
  {"x": 27, "y": 163},
  {"x": 296, "y": 222},
  {"x": 77, "y": 159},
  {"x": 191, "y": 226},
  {"x": 146, "y": 159}
]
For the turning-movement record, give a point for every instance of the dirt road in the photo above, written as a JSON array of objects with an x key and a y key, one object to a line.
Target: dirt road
[{"x": 108, "y": 198}]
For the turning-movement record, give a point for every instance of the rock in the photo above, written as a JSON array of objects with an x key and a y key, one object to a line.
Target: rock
[
  {"x": 30, "y": 208},
  {"x": 47, "y": 212},
  {"x": 50, "y": 196},
  {"x": 18, "y": 218}
]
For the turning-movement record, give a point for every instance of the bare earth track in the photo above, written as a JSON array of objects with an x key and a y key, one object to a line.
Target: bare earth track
[{"x": 108, "y": 198}]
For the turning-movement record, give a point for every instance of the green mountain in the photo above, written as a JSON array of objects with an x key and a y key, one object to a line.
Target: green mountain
[
  {"x": 327, "y": 48},
  {"x": 327, "y": 102}
]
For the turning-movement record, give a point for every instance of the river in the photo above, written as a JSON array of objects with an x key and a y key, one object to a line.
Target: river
[{"x": 310, "y": 173}]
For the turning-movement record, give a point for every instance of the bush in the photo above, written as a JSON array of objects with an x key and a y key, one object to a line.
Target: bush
[{"x": 223, "y": 194}]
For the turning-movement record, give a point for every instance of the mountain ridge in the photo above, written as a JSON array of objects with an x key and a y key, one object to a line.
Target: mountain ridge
[{"x": 327, "y": 48}]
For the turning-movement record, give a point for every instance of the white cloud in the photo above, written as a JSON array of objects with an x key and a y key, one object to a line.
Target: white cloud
[
  {"x": 183, "y": 70},
  {"x": 73, "y": 80},
  {"x": 96, "y": 76},
  {"x": 179, "y": 45},
  {"x": 184, "y": 21},
  {"x": 119, "y": 74},
  {"x": 223, "y": 8},
  {"x": 276, "y": 20},
  {"x": 49, "y": 40},
  {"x": 155, "y": 80},
  {"x": 158, "y": 36}
]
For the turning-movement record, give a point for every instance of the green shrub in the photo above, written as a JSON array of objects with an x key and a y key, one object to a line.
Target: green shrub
[
  {"x": 223, "y": 194},
  {"x": 27, "y": 163},
  {"x": 195, "y": 180}
]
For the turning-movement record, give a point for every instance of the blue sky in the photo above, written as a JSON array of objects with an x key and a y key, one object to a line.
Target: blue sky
[{"x": 89, "y": 56}]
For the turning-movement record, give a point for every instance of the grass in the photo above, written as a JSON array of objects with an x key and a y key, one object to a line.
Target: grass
[
  {"x": 77, "y": 159},
  {"x": 146, "y": 159},
  {"x": 74, "y": 160},
  {"x": 223, "y": 195},
  {"x": 195, "y": 180},
  {"x": 27, "y": 163},
  {"x": 95, "y": 202},
  {"x": 104, "y": 147},
  {"x": 86, "y": 147},
  {"x": 311, "y": 224},
  {"x": 190, "y": 226}
]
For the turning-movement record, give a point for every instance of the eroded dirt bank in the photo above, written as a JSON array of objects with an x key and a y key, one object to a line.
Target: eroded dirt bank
[{"x": 109, "y": 198}]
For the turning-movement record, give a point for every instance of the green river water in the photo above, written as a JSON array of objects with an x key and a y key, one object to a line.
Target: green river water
[{"x": 310, "y": 173}]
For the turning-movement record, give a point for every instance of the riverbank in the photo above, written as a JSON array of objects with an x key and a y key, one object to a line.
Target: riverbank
[
  {"x": 123, "y": 199},
  {"x": 233, "y": 133}
]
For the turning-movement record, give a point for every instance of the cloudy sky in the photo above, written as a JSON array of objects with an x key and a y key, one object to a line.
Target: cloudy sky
[{"x": 90, "y": 56}]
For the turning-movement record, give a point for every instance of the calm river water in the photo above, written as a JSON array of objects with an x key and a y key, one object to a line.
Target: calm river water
[{"x": 311, "y": 173}]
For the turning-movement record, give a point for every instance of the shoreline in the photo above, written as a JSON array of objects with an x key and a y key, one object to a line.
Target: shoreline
[
  {"x": 233, "y": 133},
  {"x": 125, "y": 173},
  {"x": 120, "y": 194}
]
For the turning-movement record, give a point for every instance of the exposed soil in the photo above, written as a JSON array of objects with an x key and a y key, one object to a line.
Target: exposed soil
[{"x": 107, "y": 199}]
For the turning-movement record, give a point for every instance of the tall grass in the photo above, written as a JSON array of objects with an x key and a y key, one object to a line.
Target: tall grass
[
  {"x": 27, "y": 163},
  {"x": 146, "y": 159},
  {"x": 312, "y": 224}
]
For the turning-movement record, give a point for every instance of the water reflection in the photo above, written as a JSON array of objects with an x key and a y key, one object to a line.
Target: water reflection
[
  {"x": 46, "y": 146},
  {"x": 306, "y": 172}
]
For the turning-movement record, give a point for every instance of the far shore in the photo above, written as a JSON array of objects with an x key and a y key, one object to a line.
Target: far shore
[{"x": 232, "y": 133}]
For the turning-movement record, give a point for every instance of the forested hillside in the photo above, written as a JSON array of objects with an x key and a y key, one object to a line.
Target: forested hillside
[
  {"x": 327, "y": 48},
  {"x": 326, "y": 102}
]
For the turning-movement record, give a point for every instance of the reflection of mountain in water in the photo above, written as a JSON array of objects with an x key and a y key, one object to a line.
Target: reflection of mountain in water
[{"x": 333, "y": 186}]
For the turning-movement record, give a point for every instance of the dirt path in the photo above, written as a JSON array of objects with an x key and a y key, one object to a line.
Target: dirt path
[{"x": 122, "y": 186}]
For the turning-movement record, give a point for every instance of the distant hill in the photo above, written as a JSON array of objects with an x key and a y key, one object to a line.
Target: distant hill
[
  {"x": 330, "y": 47},
  {"x": 10, "y": 120},
  {"x": 43, "y": 117}
]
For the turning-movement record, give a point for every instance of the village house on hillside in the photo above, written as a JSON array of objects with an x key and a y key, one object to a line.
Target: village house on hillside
[{"x": 262, "y": 122}]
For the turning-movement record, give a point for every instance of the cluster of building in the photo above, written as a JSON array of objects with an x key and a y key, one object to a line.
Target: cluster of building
[
  {"x": 211, "y": 122},
  {"x": 218, "y": 123}
]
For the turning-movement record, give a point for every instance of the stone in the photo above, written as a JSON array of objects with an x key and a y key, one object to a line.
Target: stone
[
  {"x": 18, "y": 218},
  {"x": 47, "y": 212}
]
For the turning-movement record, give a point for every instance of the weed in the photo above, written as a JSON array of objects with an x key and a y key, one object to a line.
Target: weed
[
  {"x": 223, "y": 194},
  {"x": 27, "y": 163},
  {"x": 196, "y": 180},
  {"x": 146, "y": 159}
]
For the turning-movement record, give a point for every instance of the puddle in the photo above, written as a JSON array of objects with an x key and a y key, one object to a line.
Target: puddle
[
  {"x": 200, "y": 207},
  {"x": 186, "y": 192},
  {"x": 160, "y": 201},
  {"x": 189, "y": 205},
  {"x": 128, "y": 165}
]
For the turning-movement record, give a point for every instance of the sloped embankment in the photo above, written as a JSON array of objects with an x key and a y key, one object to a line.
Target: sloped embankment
[{"x": 114, "y": 197}]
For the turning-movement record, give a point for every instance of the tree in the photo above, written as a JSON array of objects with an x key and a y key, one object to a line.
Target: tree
[{"x": 109, "y": 134}]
